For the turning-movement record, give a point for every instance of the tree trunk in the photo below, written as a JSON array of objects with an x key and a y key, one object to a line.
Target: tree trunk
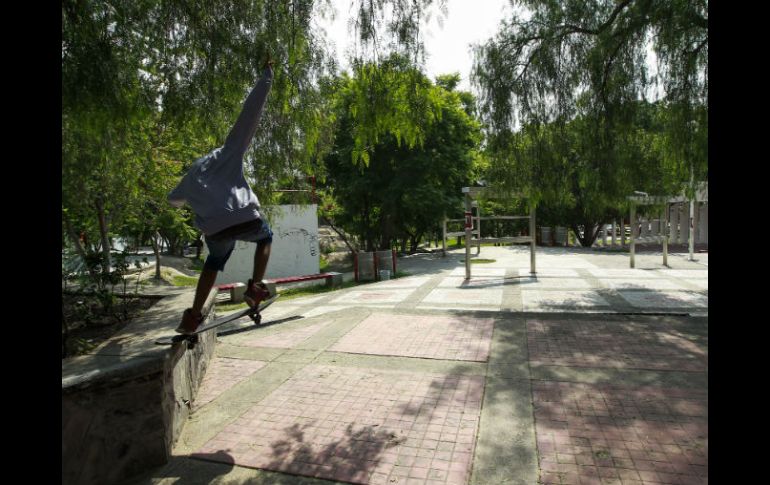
[
  {"x": 65, "y": 335},
  {"x": 75, "y": 240},
  {"x": 339, "y": 233},
  {"x": 103, "y": 232},
  {"x": 155, "y": 241},
  {"x": 414, "y": 241},
  {"x": 590, "y": 231}
]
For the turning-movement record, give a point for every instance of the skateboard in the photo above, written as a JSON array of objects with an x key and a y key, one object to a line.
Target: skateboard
[{"x": 192, "y": 338}]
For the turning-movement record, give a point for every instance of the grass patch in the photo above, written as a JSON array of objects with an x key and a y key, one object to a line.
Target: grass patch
[
  {"x": 196, "y": 265},
  {"x": 231, "y": 307},
  {"x": 312, "y": 290},
  {"x": 184, "y": 280},
  {"x": 290, "y": 293},
  {"x": 323, "y": 264},
  {"x": 320, "y": 289}
]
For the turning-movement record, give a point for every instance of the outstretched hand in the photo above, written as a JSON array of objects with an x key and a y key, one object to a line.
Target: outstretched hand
[{"x": 268, "y": 61}]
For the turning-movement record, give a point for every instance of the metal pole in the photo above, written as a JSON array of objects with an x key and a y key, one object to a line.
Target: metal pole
[
  {"x": 478, "y": 228},
  {"x": 674, "y": 211},
  {"x": 692, "y": 230},
  {"x": 622, "y": 231},
  {"x": 692, "y": 214},
  {"x": 633, "y": 230},
  {"x": 664, "y": 233},
  {"x": 532, "y": 235},
  {"x": 443, "y": 238},
  {"x": 614, "y": 230},
  {"x": 468, "y": 228}
]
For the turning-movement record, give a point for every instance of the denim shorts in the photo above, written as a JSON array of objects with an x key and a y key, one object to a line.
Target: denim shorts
[{"x": 221, "y": 246}]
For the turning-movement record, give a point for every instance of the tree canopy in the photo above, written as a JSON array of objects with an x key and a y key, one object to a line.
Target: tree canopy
[
  {"x": 558, "y": 61},
  {"x": 566, "y": 97},
  {"x": 167, "y": 78},
  {"x": 402, "y": 193}
]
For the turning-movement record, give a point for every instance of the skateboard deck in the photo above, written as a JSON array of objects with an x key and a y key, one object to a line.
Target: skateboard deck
[{"x": 192, "y": 338}]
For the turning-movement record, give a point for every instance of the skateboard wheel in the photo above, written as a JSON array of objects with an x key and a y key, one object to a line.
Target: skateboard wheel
[{"x": 257, "y": 319}]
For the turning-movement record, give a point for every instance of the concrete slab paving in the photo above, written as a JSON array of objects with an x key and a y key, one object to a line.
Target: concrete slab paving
[
  {"x": 425, "y": 336},
  {"x": 431, "y": 379}
]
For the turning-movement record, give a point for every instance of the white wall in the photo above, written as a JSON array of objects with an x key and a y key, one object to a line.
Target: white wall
[{"x": 294, "y": 251}]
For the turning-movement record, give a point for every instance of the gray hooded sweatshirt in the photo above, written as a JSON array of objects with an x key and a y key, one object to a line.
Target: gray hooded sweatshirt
[{"x": 215, "y": 186}]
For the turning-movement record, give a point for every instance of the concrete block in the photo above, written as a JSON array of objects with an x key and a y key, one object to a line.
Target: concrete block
[
  {"x": 237, "y": 291},
  {"x": 335, "y": 280}
]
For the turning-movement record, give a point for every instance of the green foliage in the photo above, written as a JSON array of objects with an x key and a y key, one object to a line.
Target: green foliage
[
  {"x": 402, "y": 190},
  {"x": 392, "y": 98},
  {"x": 583, "y": 64},
  {"x": 576, "y": 176},
  {"x": 147, "y": 87},
  {"x": 96, "y": 277}
]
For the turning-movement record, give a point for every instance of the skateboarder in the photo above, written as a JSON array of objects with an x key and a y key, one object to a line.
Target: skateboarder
[{"x": 226, "y": 209}]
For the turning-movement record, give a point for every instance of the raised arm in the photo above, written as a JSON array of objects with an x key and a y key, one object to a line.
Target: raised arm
[{"x": 246, "y": 125}]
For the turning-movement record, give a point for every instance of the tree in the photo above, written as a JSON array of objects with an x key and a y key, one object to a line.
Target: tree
[
  {"x": 132, "y": 70},
  {"x": 167, "y": 78},
  {"x": 575, "y": 59},
  {"x": 402, "y": 192},
  {"x": 564, "y": 165}
]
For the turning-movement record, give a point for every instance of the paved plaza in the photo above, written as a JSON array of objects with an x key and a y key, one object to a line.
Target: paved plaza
[{"x": 588, "y": 372}]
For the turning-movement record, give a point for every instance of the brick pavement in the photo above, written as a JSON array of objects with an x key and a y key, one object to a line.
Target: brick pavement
[
  {"x": 427, "y": 336},
  {"x": 222, "y": 374},
  {"x": 360, "y": 426},
  {"x": 286, "y": 339},
  {"x": 593, "y": 434},
  {"x": 612, "y": 344}
]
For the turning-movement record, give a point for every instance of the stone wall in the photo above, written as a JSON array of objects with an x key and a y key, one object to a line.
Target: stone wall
[{"x": 125, "y": 405}]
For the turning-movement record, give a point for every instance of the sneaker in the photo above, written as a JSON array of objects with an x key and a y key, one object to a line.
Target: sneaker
[
  {"x": 255, "y": 293},
  {"x": 190, "y": 322}
]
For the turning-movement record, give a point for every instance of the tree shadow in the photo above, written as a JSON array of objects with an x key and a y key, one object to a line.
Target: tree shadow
[
  {"x": 351, "y": 458},
  {"x": 248, "y": 325},
  {"x": 644, "y": 383},
  {"x": 202, "y": 468},
  {"x": 635, "y": 342},
  {"x": 675, "y": 409},
  {"x": 508, "y": 451}
]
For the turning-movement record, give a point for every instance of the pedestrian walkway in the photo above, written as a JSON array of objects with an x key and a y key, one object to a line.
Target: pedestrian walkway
[{"x": 587, "y": 372}]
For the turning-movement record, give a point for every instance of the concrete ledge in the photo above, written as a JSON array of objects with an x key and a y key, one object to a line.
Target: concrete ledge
[
  {"x": 335, "y": 280},
  {"x": 125, "y": 404}
]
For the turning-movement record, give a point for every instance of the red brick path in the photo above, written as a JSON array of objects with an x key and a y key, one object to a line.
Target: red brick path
[{"x": 589, "y": 434}]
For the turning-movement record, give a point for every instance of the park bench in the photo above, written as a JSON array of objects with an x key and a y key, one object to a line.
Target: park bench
[{"x": 236, "y": 290}]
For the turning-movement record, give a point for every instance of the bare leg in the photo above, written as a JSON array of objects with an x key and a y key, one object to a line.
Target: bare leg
[
  {"x": 261, "y": 257},
  {"x": 205, "y": 283}
]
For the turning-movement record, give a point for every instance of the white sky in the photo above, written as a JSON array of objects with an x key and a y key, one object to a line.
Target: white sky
[{"x": 447, "y": 47}]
